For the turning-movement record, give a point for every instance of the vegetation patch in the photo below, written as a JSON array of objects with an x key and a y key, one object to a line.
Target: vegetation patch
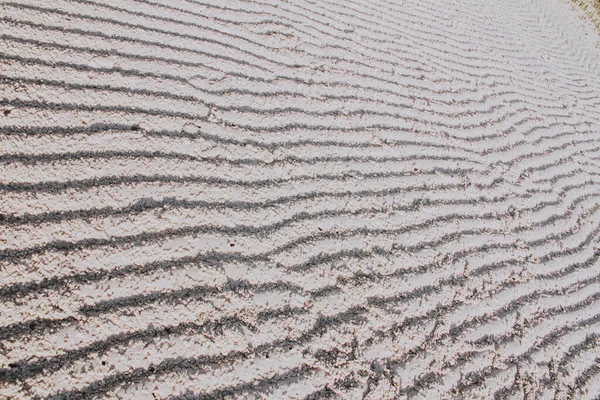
[{"x": 592, "y": 9}]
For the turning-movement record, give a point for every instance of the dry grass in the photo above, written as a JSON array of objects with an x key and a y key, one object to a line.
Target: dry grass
[{"x": 591, "y": 9}]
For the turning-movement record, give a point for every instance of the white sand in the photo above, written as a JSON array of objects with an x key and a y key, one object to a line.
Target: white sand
[{"x": 299, "y": 199}]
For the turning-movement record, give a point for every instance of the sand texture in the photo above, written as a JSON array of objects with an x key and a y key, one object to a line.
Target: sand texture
[{"x": 296, "y": 199}]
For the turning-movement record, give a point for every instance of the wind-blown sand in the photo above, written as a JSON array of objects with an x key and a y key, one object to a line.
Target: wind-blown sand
[{"x": 299, "y": 199}]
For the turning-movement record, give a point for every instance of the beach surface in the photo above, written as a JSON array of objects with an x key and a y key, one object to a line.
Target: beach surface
[{"x": 299, "y": 199}]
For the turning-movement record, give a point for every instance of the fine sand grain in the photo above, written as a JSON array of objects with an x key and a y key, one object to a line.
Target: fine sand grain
[{"x": 296, "y": 199}]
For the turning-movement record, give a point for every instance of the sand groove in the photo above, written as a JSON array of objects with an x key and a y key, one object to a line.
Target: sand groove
[{"x": 298, "y": 199}]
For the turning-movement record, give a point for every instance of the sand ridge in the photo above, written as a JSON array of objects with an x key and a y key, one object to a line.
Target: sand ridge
[{"x": 298, "y": 199}]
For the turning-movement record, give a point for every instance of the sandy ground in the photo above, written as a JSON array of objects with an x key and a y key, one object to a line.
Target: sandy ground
[{"x": 299, "y": 199}]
